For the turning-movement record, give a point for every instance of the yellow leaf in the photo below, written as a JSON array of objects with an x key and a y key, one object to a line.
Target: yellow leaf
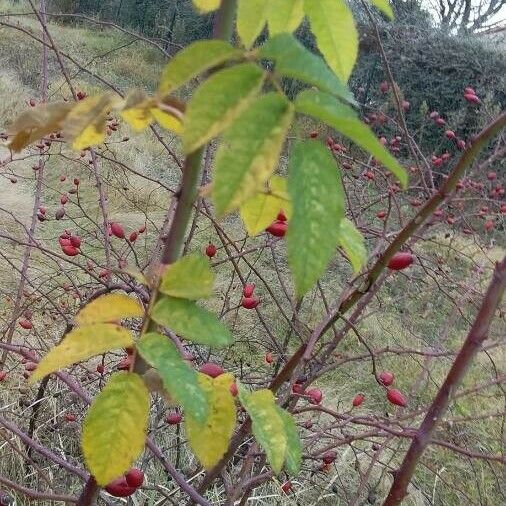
[
  {"x": 190, "y": 277},
  {"x": 36, "y": 123},
  {"x": 251, "y": 19},
  {"x": 267, "y": 424},
  {"x": 91, "y": 135},
  {"x": 81, "y": 344},
  {"x": 209, "y": 441},
  {"x": 114, "y": 430},
  {"x": 109, "y": 307},
  {"x": 260, "y": 211},
  {"x": 167, "y": 120},
  {"x": 336, "y": 34},
  {"x": 85, "y": 124},
  {"x": 284, "y": 16},
  {"x": 204, "y": 6},
  {"x": 136, "y": 111}
]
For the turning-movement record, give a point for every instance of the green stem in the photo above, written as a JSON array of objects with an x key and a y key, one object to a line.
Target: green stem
[
  {"x": 186, "y": 199},
  {"x": 224, "y": 24}
]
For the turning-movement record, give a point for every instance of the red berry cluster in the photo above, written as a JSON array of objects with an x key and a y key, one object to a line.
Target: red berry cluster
[{"x": 126, "y": 485}]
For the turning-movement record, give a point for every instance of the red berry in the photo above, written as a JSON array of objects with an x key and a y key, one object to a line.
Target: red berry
[
  {"x": 395, "y": 397},
  {"x": 434, "y": 115},
  {"x": 32, "y": 102},
  {"x": 63, "y": 200},
  {"x": 120, "y": 488},
  {"x": 286, "y": 487},
  {"x": 248, "y": 289},
  {"x": 70, "y": 251},
  {"x": 213, "y": 370},
  {"x": 75, "y": 241},
  {"x": 142, "y": 229},
  {"x": 25, "y": 324},
  {"x": 386, "y": 378},
  {"x": 100, "y": 368},
  {"x": 369, "y": 175},
  {"x": 277, "y": 229},
  {"x": 400, "y": 261},
  {"x": 358, "y": 400},
  {"x": 489, "y": 225},
  {"x": 3, "y": 375},
  {"x": 503, "y": 209},
  {"x": 133, "y": 237},
  {"x": 69, "y": 417},
  {"x": 269, "y": 358},
  {"x": 30, "y": 366},
  {"x": 329, "y": 456},
  {"x": 315, "y": 395},
  {"x": 450, "y": 134},
  {"x": 134, "y": 478},
  {"x": 469, "y": 91},
  {"x": 491, "y": 176},
  {"x": 406, "y": 105},
  {"x": 440, "y": 122},
  {"x": 471, "y": 98},
  {"x": 461, "y": 144},
  {"x": 282, "y": 216},
  {"x": 211, "y": 250},
  {"x": 234, "y": 390},
  {"x": 174, "y": 418},
  {"x": 63, "y": 177},
  {"x": 297, "y": 389},
  {"x": 249, "y": 302},
  {"x": 313, "y": 134},
  {"x": 76, "y": 181},
  {"x": 117, "y": 230},
  {"x": 384, "y": 87},
  {"x": 381, "y": 214}
]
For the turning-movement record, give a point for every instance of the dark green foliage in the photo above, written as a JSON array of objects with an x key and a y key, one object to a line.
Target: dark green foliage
[{"x": 432, "y": 69}]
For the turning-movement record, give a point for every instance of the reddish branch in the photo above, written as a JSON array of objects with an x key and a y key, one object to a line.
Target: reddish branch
[{"x": 470, "y": 348}]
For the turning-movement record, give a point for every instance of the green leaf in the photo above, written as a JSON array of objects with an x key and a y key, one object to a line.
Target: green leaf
[
  {"x": 189, "y": 278},
  {"x": 293, "y": 443},
  {"x": 260, "y": 211},
  {"x": 353, "y": 244},
  {"x": 205, "y": 6},
  {"x": 326, "y": 108},
  {"x": 219, "y": 101},
  {"x": 81, "y": 344},
  {"x": 250, "y": 151},
  {"x": 108, "y": 308},
  {"x": 115, "y": 426},
  {"x": 293, "y": 60},
  {"x": 336, "y": 35},
  {"x": 192, "y": 322},
  {"x": 315, "y": 186},
  {"x": 209, "y": 440},
  {"x": 284, "y": 16},
  {"x": 384, "y": 6},
  {"x": 193, "y": 60},
  {"x": 251, "y": 18},
  {"x": 267, "y": 424},
  {"x": 179, "y": 379}
]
